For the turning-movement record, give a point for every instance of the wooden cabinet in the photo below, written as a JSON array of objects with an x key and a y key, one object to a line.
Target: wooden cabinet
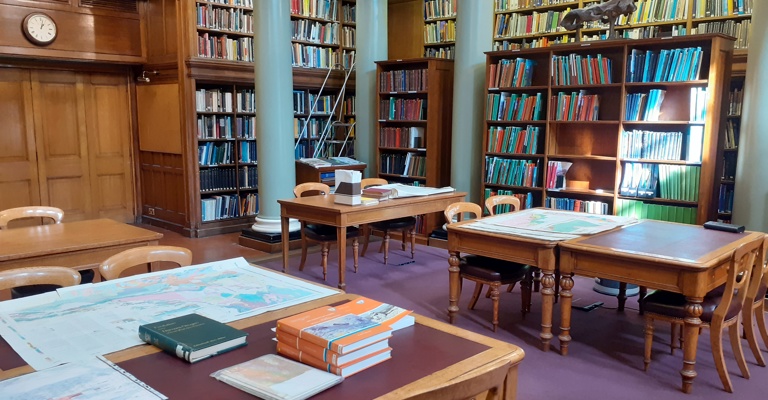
[
  {"x": 414, "y": 124},
  {"x": 539, "y": 121}
]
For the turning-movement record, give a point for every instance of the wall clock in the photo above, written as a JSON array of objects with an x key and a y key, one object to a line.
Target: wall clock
[{"x": 39, "y": 28}]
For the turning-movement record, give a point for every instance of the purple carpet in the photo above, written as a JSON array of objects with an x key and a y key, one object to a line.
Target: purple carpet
[{"x": 605, "y": 358}]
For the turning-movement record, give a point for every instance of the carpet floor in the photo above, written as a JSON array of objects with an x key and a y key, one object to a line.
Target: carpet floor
[{"x": 605, "y": 358}]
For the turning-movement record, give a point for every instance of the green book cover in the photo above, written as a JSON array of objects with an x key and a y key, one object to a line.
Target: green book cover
[{"x": 192, "y": 337}]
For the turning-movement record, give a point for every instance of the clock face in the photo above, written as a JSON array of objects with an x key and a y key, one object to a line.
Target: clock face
[{"x": 39, "y": 28}]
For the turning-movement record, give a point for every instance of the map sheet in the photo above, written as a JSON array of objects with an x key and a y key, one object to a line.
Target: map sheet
[
  {"x": 545, "y": 224},
  {"x": 89, "y": 320}
]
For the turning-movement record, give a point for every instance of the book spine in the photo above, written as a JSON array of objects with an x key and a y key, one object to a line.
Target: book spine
[
  {"x": 308, "y": 348},
  {"x": 297, "y": 355},
  {"x": 165, "y": 343}
]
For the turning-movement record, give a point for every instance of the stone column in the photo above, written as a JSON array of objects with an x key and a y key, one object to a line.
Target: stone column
[
  {"x": 274, "y": 110},
  {"x": 750, "y": 203},
  {"x": 371, "y": 47},
  {"x": 474, "y": 35}
]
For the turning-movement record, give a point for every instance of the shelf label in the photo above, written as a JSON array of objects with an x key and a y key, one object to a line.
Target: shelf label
[
  {"x": 586, "y": 44},
  {"x": 411, "y": 91}
]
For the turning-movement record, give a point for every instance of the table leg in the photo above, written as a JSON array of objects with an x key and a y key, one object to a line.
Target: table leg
[
  {"x": 547, "y": 266},
  {"x": 693, "y": 311},
  {"x": 341, "y": 239},
  {"x": 454, "y": 288},
  {"x": 285, "y": 241},
  {"x": 566, "y": 299},
  {"x": 622, "y": 296}
]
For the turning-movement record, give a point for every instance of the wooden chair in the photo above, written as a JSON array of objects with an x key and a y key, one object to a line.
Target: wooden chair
[
  {"x": 485, "y": 383},
  {"x": 407, "y": 225},
  {"x": 721, "y": 308},
  {"x": 500, "y": 201},
  {"x": 6, "y": 216},
  {"x": 49, "y": 277},
  {"x": 754, "y": 305},
  {"x": 113, "y": 266},
  {"x": 323, "y": 234},
  {"x": 489, "y": 271}
]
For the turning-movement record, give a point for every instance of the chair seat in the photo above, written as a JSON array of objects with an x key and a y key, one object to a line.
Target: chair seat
[
  {"x": 86, "y": 276},
  {"x": 673, "y": 304},
  {"x": 394, "y": 224},
  {"x": 327, "y": 233},
  {"x": 492, "y": 269}
]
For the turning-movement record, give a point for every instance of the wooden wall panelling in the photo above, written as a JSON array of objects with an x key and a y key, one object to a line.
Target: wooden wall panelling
[
  {"x": 162, "y": 189},
  {"x": 161, "y": 32},
  {"x": 19, "y": 183},
  {"x": 109, "y": 146},
  {"x": 159, "y": 118},
  {"x": 405, "y": 31}
]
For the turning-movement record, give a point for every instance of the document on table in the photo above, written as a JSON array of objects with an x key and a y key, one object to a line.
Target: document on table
[
  {"x": 95, "y": 378},
  {"x": 550, "y": 225},
  {"x": 88, "y": 320},
  {"x": 401, "y": 190}
]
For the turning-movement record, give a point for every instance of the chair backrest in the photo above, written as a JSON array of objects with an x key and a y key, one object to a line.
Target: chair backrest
[
  {"x": 493, "y": 201},
  {"x": 759, "y": 281},
  {"x": 6, "y": 216},
  {"x": 458, "y": 209},
  {"x": 364, "y": 183},
  {"x": 112, "y": 267},
  {"x": 59, "y": 276},
  {"x": 740, "y": 269},
  {"x": 302, "y": 188},
  {"x": 489, "y": 378}
]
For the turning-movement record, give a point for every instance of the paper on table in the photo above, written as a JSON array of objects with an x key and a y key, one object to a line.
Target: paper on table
[{"x": 400, "y": 190}]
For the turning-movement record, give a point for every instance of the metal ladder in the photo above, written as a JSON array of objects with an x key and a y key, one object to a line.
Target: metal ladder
[{"x": 331, "y": 124}]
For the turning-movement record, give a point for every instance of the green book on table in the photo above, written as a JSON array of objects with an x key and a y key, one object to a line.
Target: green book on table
[{"x": 192, "y": 337}]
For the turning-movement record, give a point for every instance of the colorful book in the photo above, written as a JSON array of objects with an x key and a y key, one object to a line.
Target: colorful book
[
  {"x": 272, "y": 377},
  {"x": 192, "y": 337},
  {"x": 325, "y": 355},
  {"x": 340, "y": 331},
  {"x": 344, "y": 370}
]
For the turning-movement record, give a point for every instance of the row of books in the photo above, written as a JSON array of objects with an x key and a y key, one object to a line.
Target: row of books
[
  {"x": 321, "y": 104},
  {"x": 314, "y": 31},
  {"x": 227, "y": 178},
  {"x": 440, "y": 9},
  {"x": 526, "y": 199},
  {"x": 408, "y": 80},
  {"x": 652, "y": 31},
  {"x": 225, "y": 127},
  {"x": 644, "y": 106},
  {"x": 447, "y": 52},
  {"x": 738, "y": 29},
  {"x": 591, "y": 207},
  {"x": 725, "y": 199},
  {"x": 581, "y": 106},
  {"x": 674, "y": 182},
  {"x": 241, "y": 3},
  {"x": 402, "y": 137},
  {"x": 575, "y": 69},
  {"x": 642, "y": 210},
  {"x": 511, "y": 172},
  {"x": 440, "y": 32},
  {"x": 308, "y": 129},
  {"x": 735, "y": 101},
  {"x": 732, "y": 134},
  {"x": 211, "y": 153},
  {"x": 348, "y": 105},
  {"x": 651, "y": 145},
  {"x": 506, "y": 106},
  {"x": 513, "y": 139},
  {"x": 640, "y": 180},
  {"x": 248, "y": 152},
  {"x": 511, "y": 73},
  {"x": 512, "y": 25},
  {"x": 408, "y": 164},
  {"x": 221, "y": 47},
  {"x": 667, "y": 65},
  {"x": 220, "y": 207},
  {"x": 514, "y": 5},
  {"x": 305, "y": 149},
  {"x": 721, "y": 8},
  {"x": 556, "y": 171},
  {"x": 403, "y": 109},
  {"x": 228, "y": 19},
  {"x": 249, "y": 177},
  {"x": 322, "y": 9},
  {"x": 649, "y": 11},
  {"x": 698, "y": 104},
  {"x": 349, "y": 13},
  {"x": 313, "y": 56},
  {"x": 220, "y": 100},
  {"x": 348, "y": 36},
  {"x": 729, "y": 165}
]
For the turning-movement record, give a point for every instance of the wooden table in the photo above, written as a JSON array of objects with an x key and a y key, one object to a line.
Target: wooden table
[
  {"x": 537, "y": 253},
  {"x": 679, "y": 258},
  {"x": 323, "y": 210},
  {"x": 78, "y": 245},
  {"x": 419, "y": 363}
]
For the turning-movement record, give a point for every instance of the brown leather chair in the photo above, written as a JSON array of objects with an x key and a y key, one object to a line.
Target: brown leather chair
[
  {"x": 53, "y": 213},
  {"x": 721, "y": 309},
  {"x": 489, "y": 271},
  {"x": 323, "y": 234},
  {"x": 407, "y": 225},
  {"x": 50, "y": 278},
  {"x": 113, "y": 266},
  {"x": 483, "y": 383},
  {"x": 754, "y": 305}
]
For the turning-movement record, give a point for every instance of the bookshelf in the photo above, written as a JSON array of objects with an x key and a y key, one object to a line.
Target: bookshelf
[
  {"x": 414, "y": 126},
  {"x": 730, "y": 138},
  {"x": 440, "y": 28},
  {"x": 584, "y": 110},
  {"x": 535, "y": 23},
  {"x": 224, "y": 30}
]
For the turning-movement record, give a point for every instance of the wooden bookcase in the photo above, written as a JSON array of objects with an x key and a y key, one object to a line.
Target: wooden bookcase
[
  {"x": 440, "y": 28},
  {"x": 594, "y": 147},
  {"x": 730, "y": 138},
  {"x": 653, "y": 19},
  {"x": 430, "y": 157}
]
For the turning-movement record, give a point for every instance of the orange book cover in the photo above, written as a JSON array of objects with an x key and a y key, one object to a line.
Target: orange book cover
[
  {"x": 376, "y": 311},
  {"x": 327, "y": 356},
  {"x": 345, "y": 370}
]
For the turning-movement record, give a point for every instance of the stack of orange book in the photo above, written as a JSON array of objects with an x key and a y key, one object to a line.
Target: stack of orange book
[{"x": 344, "y": 339}]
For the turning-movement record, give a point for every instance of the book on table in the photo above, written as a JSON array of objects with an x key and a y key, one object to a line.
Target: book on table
[
  {"x": 401, "y": 190},
  {"x": 192, "y": 337},
  {"x": 377, "y": 193},
  {"x": 322, "y": 354},
  {"x": 272, "y": 377},
  {"x": 345, "y": 370}
]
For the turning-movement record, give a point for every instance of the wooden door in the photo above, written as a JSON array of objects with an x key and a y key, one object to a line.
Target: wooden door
[{"x": 19, "y": 184}]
